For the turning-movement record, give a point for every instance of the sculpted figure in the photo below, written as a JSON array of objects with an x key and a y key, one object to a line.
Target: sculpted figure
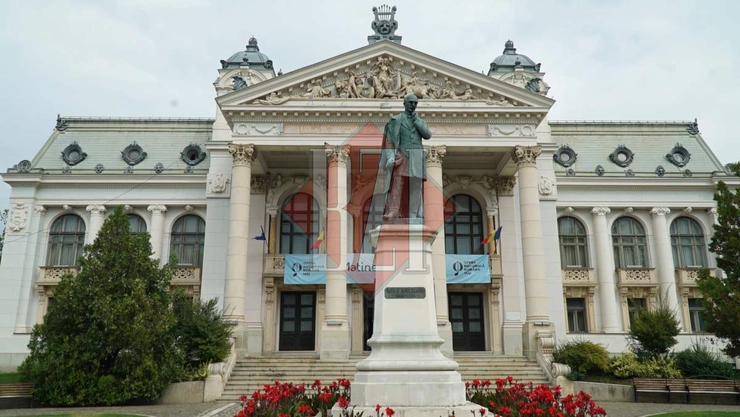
[
  {"x": 317, "y": 90},
  {"x": 352, "y": 85},
  {"x": 273, "y": 99},
  {"x": 402, "y": 161},
  {"x": 448, "y": 92}
]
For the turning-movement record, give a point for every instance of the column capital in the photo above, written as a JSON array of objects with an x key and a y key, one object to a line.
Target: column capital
[
  {"x": 434, "y": 154},
  {"x": 660, "y": 211},
  {"x": 38, "y": 208},
  {"x": 337, "y": 153},
  {"x": 157, "y": 208},
  {"x": 243, "y": 154},
  {"x": 96, "y": 208},
  {"x": 712, "y": 211},
  {"x": 526, "y": 155},
  {"x": 600, "y": 211},
  {"x": 505, "y": 185}
]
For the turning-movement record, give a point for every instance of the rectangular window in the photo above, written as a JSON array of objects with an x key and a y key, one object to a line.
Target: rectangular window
[
  {"x": 633, "y": 304},
  {"x": 696, "y": 314},
  {"x": 576, "y": 315}
]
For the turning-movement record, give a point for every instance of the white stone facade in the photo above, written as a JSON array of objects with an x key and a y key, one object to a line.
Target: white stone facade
[{"x": 221, "y": 182}]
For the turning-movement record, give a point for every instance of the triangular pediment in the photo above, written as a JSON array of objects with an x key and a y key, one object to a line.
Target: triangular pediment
[{"x": 382, "y": 71}]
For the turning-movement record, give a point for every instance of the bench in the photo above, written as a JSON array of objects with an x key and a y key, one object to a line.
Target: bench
[
  {"x": 16, "y": 394},
  {"x": 686, "y": 387},
  {"x": 713, "y": 387}
]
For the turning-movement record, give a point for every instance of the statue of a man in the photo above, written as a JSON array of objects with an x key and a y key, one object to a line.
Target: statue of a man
[{"x": 402, "y": 160}]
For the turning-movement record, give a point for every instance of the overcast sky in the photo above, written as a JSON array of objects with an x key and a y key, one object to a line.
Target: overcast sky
[{"x": 605, "y": 60}]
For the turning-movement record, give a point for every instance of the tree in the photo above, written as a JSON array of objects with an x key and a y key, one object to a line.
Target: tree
[
  {"x": 4, "y": 221},
  {"x": 653, "y": 332},
  {"x": 722, "y": 294},
  {"x": 106, "y": 338}
]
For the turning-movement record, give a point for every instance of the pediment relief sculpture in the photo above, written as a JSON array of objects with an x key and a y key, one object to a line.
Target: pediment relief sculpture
[{"x": 382, "y": 79}]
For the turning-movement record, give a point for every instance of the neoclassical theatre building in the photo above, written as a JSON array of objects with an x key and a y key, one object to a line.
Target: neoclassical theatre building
[{"x": 595, "y": 218}]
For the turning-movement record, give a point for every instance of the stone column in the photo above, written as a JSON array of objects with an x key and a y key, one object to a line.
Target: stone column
[
  {"x": 510, "y": 252},
  {"x": 434, "y": 212},
  {"x": 236, "y": 252},
  {"x": 335, "y": 337},
  {"x": 97, "y": 216},
  {"x": 605, "y": 272},
  {"x": 664, "y": 261},
  {"x": 533, "y": 252},
  {"x": 157, "y": 228}
]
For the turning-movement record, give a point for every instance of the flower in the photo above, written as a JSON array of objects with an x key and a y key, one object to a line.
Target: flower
[
  {"x": 377, "y": 408},
  {"x": 483, "y": 411},
  {"x": 343, "y": 402},
  {"x": 389, "y": 412}
]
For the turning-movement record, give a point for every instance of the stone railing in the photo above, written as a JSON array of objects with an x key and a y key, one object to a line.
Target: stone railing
[
  {"x": 578, "y": 276},
  {"x": 218, "y": 375},
  {"x": 635, "y": 277},
  {"x": 494, "y": 262},
  {"x": 686, "y": 277},
  {"x": 274, "y": 264},
  {"x": 185, "y": 275},
  {"x": 51, "y": 275}
]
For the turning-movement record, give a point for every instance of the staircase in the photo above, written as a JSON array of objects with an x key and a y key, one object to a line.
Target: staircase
[{"x": 251, "y": 374}]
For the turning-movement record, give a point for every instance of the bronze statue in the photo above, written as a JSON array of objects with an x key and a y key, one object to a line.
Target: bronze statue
[{"x": 402, "y": 160}]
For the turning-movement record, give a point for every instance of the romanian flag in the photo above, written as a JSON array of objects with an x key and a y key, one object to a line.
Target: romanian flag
[
  {"x": 494, "y": 235},
  {"x": 318, "y": 241}
]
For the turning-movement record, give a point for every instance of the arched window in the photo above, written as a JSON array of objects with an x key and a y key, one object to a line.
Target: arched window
[
  {"x": 573, "y": 243},
  {"x": 687, "y": 241},
  {"x": 372, "y": 217},
  {"x": 66, "y": 239},
  {"x": 630, "y": 243},
  {"x": 136, "y": 224},
  {"x": 464, "y": 226},
  {"x": 187, "y": 240},
  {"x": 299, "y": 224}
]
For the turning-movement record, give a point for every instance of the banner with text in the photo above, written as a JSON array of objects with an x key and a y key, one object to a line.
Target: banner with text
[
  {"x": 311, "y": 269},
  {"x": 468, "y": 269}
]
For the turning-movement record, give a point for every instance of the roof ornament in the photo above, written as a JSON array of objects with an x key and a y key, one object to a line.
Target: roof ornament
[
  {"x": 693, "y": 128},
  {"x": 239, "y": 82},
  {"x": 384, "y": 25},
  {"x": 62, "y": 124},
  {"x": 252, "y": 45}
]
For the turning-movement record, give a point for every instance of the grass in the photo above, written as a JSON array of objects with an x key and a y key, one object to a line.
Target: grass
[
  {"x": 700, "y": 414},
  {"x": 13, "y": 377}
]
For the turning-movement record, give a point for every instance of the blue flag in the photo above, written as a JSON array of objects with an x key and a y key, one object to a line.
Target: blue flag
[{"x": 261, "y": 236}]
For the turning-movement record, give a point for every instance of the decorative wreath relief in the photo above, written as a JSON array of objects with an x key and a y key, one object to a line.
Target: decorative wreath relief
[
  {"x": 133, "y": 154},
  {"x": 24, "y": 166},
  {"x": 99, "y": 168},
  {"x": 660, "y": 171},
  {"x": 599, "y": 170},
  {"x": 622, "y": 156},
  {"x": 565, "y": 156},
  {"x": 678, "y": 156},
  {"x": 73, "y": 154},
  {"x": 193, "y": 154}
]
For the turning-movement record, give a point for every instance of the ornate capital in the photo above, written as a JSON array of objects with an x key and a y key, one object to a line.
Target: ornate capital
[
  {"x": 712, "y": 211},
  {"x": 157, "y": 208},
  {"x": 337, "y": 153},
  {"x": 96, "y": 208},
  {"x": 600, "y": 211},
  {"x": 243, "y": 154},
  {"x": 660, "y": 211},
  {"x": 434, "y": 154},
  {"x": 38, "y": 208},
  {"x": 505, "y": 185},
  {"x": 258, "y": 184},
  {"x": 526, "y": 155}
]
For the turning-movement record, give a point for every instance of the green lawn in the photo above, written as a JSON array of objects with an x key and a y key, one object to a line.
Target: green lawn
[
  {"x": 701, "y": 414},
  {"x": 10, "y": 378}
]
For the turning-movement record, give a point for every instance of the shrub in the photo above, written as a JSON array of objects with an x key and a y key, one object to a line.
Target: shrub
[
  {"x": 630, "y": 366},
  {"x": 653, "y": 332},
  {"x": 582, "y": 356},
  {"x": 201, "y": 334},
  {"x": 698, "y": 360}
]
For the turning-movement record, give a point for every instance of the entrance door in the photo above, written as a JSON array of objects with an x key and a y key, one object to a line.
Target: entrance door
[
  {"x": 466, "y": 317},
  {"x": 297, "y": 320},
  {"x": 368, "y": 318}
]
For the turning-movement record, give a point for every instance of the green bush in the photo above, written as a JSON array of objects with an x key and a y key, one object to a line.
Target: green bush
[
  {"x": 653, "y": 332},
  {"x": 699, "y": 360},
  {"x": 629, "y": 366},
  {"x": 201, "y": 334},
  {"x": 582, "y": 356}
]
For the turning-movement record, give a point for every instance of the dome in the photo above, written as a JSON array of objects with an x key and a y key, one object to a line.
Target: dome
[
  {"x": 251, "y": 56},
  {"x": 511, "y": 60}
]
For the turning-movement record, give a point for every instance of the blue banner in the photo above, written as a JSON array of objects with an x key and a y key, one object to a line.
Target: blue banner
[
  {"x": 468, "y": 269},
  {"x": 311, "y": 269},
  {"x": 305, "y": 269}
]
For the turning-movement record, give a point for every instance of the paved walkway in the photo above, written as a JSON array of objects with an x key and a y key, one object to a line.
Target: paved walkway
[{"x": 613, "y": 409}]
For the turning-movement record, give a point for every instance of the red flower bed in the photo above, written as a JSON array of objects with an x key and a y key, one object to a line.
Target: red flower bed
[
  {"x": 504, "y": 397},
  {"x": 513, "y": 399}
]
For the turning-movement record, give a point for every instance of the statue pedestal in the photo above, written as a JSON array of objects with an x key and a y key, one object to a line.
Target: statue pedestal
[{"x": 406, "y": 369}]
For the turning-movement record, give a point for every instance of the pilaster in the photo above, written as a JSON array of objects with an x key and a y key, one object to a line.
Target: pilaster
[{"x": 509, "y": 249}]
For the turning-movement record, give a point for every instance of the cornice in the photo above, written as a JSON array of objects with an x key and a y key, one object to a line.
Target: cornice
[
  {"x": 122, "y": 181},
  {"x": 632, "y": 183}
]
